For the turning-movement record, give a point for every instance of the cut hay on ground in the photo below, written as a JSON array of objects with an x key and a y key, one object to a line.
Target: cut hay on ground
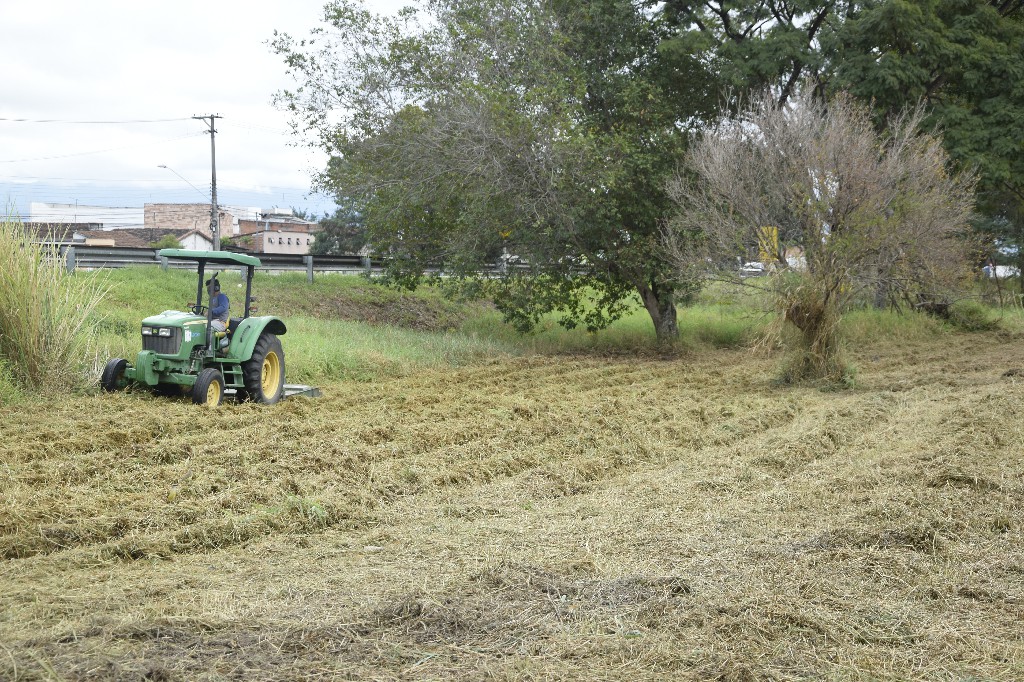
[{"x": 549, "y": 519}]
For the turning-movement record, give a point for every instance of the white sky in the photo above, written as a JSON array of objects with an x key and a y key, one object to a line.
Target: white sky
[{"x": 118, "y": 60}]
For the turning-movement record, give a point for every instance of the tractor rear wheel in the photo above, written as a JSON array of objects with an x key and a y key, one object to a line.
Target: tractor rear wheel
[
  {"x": 209, "y": 388},
  {"x": 263, "y": 373},
  {"x": 112, "y": 378}
]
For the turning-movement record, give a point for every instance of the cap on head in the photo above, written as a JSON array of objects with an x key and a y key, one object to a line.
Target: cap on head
[{"x": 216, "y": 284}]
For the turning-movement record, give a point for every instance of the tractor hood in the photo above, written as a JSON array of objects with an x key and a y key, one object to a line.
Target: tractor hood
[{"x": 173, "y": 318}]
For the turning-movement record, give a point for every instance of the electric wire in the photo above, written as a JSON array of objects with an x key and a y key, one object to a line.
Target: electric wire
[
  {"x": 145, "y": 184},
  {"x": 27, "y": 188},
  {"x": 56, "y": 120},
  {"x": 99, "y": 151}
]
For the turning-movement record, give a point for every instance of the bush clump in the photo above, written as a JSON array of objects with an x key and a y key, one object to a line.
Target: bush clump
[
  {"x": 972, "y": 316},
  {"x": 44, "y": 314}
]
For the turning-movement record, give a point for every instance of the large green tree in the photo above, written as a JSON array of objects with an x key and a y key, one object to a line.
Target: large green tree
[
  {"x": 537, "y": 133},
  {"x": 757, "y": 44},
  {"x": 963, "y": 59}
]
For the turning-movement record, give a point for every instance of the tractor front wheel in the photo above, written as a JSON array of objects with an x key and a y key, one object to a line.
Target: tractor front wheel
[
  {"x": 263, "y": 373},
  {"x": 112, "y": 378},
  {"x": 209, "y": 388}
]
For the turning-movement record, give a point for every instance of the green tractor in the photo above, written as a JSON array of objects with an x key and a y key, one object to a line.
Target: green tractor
[{"x": 182, "y": 352}]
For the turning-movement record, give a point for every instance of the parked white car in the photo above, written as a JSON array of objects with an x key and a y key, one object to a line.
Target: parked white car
[{"x": 752, "y": 269}]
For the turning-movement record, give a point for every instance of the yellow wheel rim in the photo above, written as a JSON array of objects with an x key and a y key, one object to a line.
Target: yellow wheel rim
[
  {"x": 213, "y": 394},
  {"x": 271, "y": 374}
]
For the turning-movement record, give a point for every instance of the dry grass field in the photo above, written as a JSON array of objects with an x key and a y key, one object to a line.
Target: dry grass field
[{"x": 539, "y": 518}]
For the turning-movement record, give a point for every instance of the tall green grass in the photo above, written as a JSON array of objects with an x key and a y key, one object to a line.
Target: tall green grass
[
  {"x": 316, "y": 346},
  {"x": 866, "y": 327},
  {"x": 319, "y": 347},
  {"x": 45, "y": 316},
  {"x": 1011, "y": 320}
]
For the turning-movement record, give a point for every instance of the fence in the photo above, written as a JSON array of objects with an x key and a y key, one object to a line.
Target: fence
[{"x": 99, "y": 257}]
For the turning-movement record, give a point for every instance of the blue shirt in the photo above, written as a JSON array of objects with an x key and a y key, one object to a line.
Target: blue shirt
[{"x": 219, "y": 307}]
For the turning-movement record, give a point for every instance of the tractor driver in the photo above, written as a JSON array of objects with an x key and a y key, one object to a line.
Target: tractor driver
[{"x": 219, "y": 306}]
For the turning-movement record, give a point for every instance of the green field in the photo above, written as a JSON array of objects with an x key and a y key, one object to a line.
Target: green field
[{"x": 467, "y": 503}]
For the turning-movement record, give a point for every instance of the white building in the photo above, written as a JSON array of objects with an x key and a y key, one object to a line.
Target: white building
[{"x": 111, "y": 217}]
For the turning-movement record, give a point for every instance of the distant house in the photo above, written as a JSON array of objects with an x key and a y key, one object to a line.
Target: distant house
[
  {"x": 56, "y": 233},
  {"x": 273, "y": 230},
  {"x": 189, "y": 217},
  {"x": 196, "y": 240},
  {"x": 143, "y": 238},
  {"x": 278, "y": 231}
]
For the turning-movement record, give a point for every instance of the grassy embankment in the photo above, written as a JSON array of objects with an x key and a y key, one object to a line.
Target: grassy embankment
[
  {"x": 503, "y": 513},
  {"x": 348, "y": 328}
]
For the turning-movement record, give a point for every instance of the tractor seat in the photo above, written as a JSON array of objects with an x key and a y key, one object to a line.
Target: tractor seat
[{"x": 222, "y": 343}]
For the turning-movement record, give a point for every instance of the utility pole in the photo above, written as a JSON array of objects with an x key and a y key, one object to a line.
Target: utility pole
[{"x": 214, "y": 213}]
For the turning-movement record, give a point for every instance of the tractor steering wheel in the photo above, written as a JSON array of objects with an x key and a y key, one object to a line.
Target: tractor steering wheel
[{"x": 197, "y": 309}]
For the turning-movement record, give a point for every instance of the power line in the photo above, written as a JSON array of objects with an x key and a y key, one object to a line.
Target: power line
[
  {"x": 56, "y": 120},
  {"x": 133, "y": 198},
  {"x": 251, "y": 126},
  {"x": 237, "y": 124},
  {"x": 114, "y": 185},
  {"x": 99, "y": 151}
]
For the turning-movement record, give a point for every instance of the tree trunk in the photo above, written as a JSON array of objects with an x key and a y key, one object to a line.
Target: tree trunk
[
  {"x": 819, "y": 328},
  {"x": 661, "y": 305},
  {"x": 883, "y": 292},
  {"x": 1020, "y": 268}
]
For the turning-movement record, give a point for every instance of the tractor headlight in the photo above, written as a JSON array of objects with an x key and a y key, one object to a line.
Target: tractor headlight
[
  {"x": 147, "y": 331},
  {"x": 164, "y": 331}
]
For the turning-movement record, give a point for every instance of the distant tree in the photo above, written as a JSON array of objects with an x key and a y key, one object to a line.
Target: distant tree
[
  {"x": 489, "y": 130},
  {"x": 342, "y": 233},
  {"x": 867, "y": 210},
  {"x": 168, "y": 241},
  {"x": 243, "y": 242}
]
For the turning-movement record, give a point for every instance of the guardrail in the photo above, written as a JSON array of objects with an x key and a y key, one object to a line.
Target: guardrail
[{"x": 102, "y": 257}]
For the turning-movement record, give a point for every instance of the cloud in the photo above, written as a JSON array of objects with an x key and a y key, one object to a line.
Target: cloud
[{"x": 121, "y": 61}]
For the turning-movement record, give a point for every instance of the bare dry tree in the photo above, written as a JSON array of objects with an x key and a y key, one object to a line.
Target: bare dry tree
[{"x": 873, "y": 214}]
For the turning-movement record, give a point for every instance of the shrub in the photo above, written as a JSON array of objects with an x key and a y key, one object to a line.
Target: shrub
[
  {"x": 871, "y": 212},
  {"x": 972, "y": 316},
  {"x": 44, "y": 314},
  {"x": 168, "y": 241}
]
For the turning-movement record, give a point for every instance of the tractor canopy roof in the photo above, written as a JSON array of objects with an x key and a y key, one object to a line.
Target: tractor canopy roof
[{"x": 218, "y": 257}]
